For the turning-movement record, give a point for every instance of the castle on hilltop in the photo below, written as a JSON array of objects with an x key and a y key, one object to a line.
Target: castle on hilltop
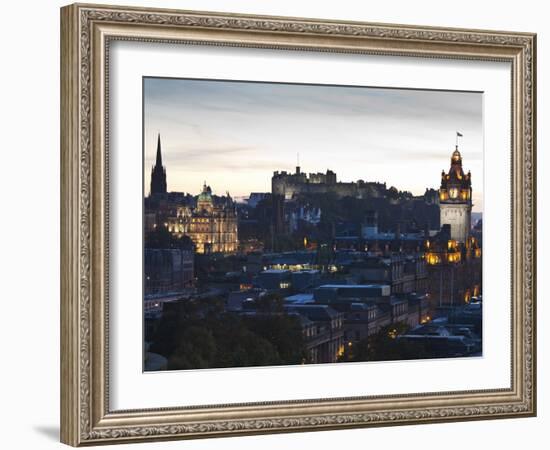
[{"x": 289, "y": 185}]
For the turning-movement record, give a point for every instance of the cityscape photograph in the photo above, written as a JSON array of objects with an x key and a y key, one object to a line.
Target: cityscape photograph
[{"x": 288, "y": 224}]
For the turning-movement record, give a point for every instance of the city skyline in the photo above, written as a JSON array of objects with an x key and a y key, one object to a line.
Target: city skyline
[
  {"x": 323, "y": 269},
  {"x": 234, "y": 135}
]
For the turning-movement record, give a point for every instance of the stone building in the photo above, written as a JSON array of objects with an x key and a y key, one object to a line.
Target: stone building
[
  {"x": 454, "y": 269},
  {"x": 211, "y": 224},
  {"x": 404, "y": 273},
  {"x": 167, "y": 270},
  {"x": 323, "y": 332}
]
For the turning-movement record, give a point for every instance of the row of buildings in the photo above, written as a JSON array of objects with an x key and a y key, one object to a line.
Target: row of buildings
[
  {"x": 341, "y": 304},
  {"x": 342, "y": 290},
  {"x": 334, "y": 316}
]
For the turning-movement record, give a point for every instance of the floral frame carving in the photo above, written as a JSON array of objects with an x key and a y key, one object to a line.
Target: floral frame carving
[{"x": 86, "y": 31}]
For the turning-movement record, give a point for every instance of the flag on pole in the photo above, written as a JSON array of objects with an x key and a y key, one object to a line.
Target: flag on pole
[{"x": 459, "y": 134}]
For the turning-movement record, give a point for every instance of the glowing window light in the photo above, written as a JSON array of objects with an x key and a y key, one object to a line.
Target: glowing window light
[
  {"x": 451, "y": 244},
  {"x": 432, "y": 259}
]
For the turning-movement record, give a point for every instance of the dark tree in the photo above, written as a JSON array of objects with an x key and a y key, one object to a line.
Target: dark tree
[
  {"x": 198, "y": 333},
  {"x": 239, "y": 347},
  {"x": 384, "y": 346},
  {"x": 195, "y": 349},
  {"x": 284, "y": 332}
]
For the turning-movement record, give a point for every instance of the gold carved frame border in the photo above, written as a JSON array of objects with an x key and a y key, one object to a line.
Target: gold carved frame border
[{"x": 86, "y": 31}]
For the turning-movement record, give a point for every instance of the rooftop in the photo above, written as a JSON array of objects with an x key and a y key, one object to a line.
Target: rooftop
[
  {"x": 314, "y": 311},
  {"x": 352, "y": 286},
  {"x": 300, "y": 299}
]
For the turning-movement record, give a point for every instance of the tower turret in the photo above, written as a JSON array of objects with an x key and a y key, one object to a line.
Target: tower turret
[{"x": 455, "y": 198}]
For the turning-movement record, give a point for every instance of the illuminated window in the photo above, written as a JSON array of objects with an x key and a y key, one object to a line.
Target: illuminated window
[
  {"x": 453, "y": 257},
  {"x": 432, "y": 259}
]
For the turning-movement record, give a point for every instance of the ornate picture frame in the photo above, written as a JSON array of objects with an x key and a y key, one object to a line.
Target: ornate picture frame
[{"x": 86, "y": 34}]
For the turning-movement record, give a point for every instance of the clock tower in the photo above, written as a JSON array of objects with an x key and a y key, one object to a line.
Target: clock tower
[{"x": 455, "y": 199}]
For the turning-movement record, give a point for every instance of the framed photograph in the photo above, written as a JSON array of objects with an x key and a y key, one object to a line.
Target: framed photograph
[{"x": 274, "y": 224}]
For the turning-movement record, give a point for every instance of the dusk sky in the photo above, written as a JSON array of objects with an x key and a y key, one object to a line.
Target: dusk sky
[{"x": 233, "y": 135}]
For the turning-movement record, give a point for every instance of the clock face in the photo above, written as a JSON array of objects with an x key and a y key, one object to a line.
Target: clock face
[{"x": 453, "y": 192}]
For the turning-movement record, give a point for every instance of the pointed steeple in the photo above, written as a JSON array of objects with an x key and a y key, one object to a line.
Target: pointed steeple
[
  {"x": 159, "y": 155},
  {"x": 158, "y": 173}
]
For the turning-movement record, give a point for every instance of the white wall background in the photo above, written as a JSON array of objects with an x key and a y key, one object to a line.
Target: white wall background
[{"x": 29, "y": 228}]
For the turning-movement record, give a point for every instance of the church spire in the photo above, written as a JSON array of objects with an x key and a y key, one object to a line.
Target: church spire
[
  {"x": 158, "y": 173},
  {"x": 159, "y": 155}
]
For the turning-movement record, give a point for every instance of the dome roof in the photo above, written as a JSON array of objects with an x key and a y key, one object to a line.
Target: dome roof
[
  {"x": 206, "y": 194},
  {"x": 204, "y": 197}
]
